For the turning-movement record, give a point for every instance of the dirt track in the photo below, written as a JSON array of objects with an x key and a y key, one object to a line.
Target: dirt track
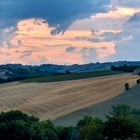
[{"x": 52, "y": 100}]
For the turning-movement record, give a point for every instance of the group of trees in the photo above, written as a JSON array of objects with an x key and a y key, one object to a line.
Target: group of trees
[
  {"x": 124, "y": 68},
  {"x": 15, "y": 125},
  {"x": 123, "y": 123},
  {"x": 22, "y": 76},
  {"x": 12, "y": 79}
]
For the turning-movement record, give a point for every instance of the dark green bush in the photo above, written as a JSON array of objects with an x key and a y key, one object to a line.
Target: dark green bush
[
  {"x": 127, "y": 86},
  {"x": 118, "y": 110},
  {"x": 138, "y": 81}
]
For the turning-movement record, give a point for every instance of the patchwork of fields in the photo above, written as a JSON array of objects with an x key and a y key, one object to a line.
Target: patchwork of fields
[{"x": 53, "y": 100}]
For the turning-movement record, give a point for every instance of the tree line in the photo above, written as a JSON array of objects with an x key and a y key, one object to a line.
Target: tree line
[
  {"x": 122, "y": 123},
  {"x": 124, "y": 68}
]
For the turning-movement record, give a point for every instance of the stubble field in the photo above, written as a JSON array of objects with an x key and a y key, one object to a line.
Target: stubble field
[{"x": 53, "y": 100}]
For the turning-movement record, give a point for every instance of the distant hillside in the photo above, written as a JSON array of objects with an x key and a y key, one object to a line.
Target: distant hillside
[
  {"x": 62, "y": 68},
  {"x": 19, "y": 72}
]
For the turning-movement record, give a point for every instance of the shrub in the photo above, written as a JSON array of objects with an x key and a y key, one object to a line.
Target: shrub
[
  {"x": 68, "y": 72},
  {"x": 124, "y": 110},
  {"x": 138, "y": 81},
  {"x": 126, "y": 86},
  {"x": 118, "y": 110}
]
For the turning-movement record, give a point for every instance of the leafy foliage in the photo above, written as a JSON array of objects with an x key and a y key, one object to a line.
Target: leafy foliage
[
  {"x": 90, "y": 129},
  {"x": 123, "y": 123},
  {"x": 127, "y": 86},
  {"x": 121, "y": 127}
]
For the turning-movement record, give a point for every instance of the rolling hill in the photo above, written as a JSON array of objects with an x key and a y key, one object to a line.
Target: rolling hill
[
  {"x": 131, "y": 97},
  {"x": 53, "y": 100}
]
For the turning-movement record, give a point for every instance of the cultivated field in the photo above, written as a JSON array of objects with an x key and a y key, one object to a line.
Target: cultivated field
[{"x": 53, "y": 100}]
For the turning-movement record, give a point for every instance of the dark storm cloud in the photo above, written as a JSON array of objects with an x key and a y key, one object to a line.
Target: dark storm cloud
[{"x": 58, "y": 13}]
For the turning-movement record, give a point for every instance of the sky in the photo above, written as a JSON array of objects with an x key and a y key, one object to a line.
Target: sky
[{"x": 35, "y": 32}]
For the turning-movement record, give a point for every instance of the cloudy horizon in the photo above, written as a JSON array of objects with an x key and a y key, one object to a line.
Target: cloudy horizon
[{"x": 69, "y": 31}]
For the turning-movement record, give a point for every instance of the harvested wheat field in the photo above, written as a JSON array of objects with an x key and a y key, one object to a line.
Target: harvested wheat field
[{"x": 53, "y": 100}]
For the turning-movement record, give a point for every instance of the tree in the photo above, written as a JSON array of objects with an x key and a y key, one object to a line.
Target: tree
[
  {"x": 126, "y": 86},
  {"x": 15, "y": 125},
  {"x": 90, "y": 129},
  {"x": 49, "y": 130},
  {"x": 68, "y": 72},
  {"x": 113, "y": 68},
  {"x": 138, "y": 81},
  {"x": 17, "y": 115},
  {"x": 64, "y": 133},
  {"x": 121, "y": 127}
]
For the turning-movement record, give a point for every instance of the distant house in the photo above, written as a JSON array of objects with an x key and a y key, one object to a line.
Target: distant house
[{"x": 136, "y": 71}]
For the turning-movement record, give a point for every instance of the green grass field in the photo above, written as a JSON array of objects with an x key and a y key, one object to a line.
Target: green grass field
[{"x": 74, "y": 76}]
